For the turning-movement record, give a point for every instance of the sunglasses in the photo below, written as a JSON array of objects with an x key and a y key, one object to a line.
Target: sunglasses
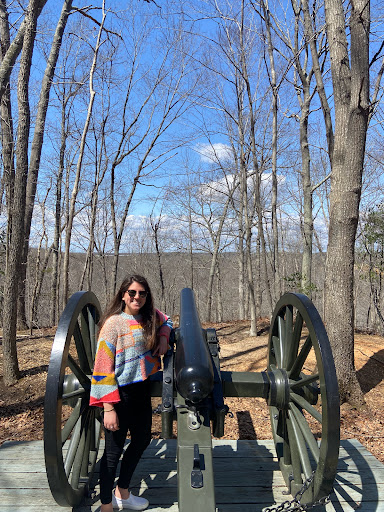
[{"x": 132, "y": 293}]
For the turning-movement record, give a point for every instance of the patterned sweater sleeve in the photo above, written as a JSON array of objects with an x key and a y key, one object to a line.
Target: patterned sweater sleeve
[
  {"x": 165, "y": 324},
  {"x": 103, "y": 384}
]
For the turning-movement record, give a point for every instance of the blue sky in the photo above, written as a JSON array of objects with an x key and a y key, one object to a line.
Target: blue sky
[{"x": 203, "y": 118}]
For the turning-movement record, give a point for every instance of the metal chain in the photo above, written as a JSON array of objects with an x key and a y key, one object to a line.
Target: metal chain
[{"x": 295, "y": 504}]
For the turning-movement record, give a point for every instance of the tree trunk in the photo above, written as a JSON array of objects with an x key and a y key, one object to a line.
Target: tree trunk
[
  {"x": 307, "y": 229},
  {"x": 351, "y": 99},
  {"x": 190, "y": 234},
  {"x": 274, "y": 87},
  {"x": 75, "y": 190},
  {"x": 99, "y": 177},
  {"x": 41, "y": 268},
  {"x": 14, "y": 49},
  {"x": 11, "y": 366},
  {"x": 216, "y": 238},
  {"x": 312, "y": 38},
  {"x": 117, "y": 235},
  {"x": 7, "y": 133},
  {"x": 248, "y": 248},
  {"x": 302, "y": 85},
  {"x": 257, "y": 192},
  {"x": 240, "y": 257},
  {"x": 155, "y": 228},
  {"x": 37, "y": 145},
  {"x": 219, "y": 298},
  {"x": 56, "y": 237}
]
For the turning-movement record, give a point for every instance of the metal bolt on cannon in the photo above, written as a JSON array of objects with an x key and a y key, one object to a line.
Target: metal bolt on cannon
[{"x": 299, "y": 385}]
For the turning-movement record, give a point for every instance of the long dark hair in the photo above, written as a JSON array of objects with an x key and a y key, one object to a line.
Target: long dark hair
[{"x": 147, "y": 312}]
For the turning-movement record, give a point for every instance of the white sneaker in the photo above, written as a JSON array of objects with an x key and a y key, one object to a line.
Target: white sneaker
[{"x": 132, "y": 503}]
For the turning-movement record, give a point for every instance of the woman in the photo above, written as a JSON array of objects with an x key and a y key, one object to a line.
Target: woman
[{"x": 133, "y": 336}]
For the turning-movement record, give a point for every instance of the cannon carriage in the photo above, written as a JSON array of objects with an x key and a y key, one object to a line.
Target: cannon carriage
[{"x": 299, "y": 385}]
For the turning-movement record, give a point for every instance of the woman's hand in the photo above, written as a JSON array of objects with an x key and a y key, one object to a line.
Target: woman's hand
[
  {"x": 111, "y": 421},
  {"x": 162, "y": 347}
]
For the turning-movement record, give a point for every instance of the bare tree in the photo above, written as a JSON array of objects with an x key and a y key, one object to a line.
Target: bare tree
[
  {"x": 145, "y": 119},
  {"x": 180, "y": 207},
  {"x": 14, "y": 48},
  {"x": 43, "y": 254},
  {"x": 16, "y": 239},
  {"x": 350, "y": 78},
  {"x": 304, "y": 71},
  {"x": 7, "y": 128},
  {"x": 20, "y": 213},
  {"x": 216, "y": 227},
  {"x": 237, "y": 44},
  {"x": 75, "y": 189},
  {"x": 36, "y": 149},
  {"x": 206, "y": 214},
  {"x": 272, "y": 75},
  {"x": 101, "y": 167},
  {"x": 155, "y": 226},
  {"x": 66, "y": 94}
]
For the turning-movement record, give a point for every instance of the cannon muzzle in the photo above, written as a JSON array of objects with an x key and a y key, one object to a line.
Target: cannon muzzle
[{"x": 193, "y": 362}]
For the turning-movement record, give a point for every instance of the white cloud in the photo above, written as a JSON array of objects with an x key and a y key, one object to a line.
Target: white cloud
[
  {"x": 218, "y": 152},
  {"x": 224, "y": 186}
]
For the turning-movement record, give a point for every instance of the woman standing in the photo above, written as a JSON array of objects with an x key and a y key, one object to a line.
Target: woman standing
[{"x": 133, "y": 336}]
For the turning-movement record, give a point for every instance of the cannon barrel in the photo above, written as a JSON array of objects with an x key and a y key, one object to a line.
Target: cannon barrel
[{"x": 193, "y": 362}]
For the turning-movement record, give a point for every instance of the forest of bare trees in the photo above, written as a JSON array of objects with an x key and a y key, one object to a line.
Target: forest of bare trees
[{"x": 230, "y": 146}]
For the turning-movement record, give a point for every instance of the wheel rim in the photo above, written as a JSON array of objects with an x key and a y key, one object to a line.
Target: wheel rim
[
  {"x": 71, "y": 427},
  {"x": 304, "y": 397}
]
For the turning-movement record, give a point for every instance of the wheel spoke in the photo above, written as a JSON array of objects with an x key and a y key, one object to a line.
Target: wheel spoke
[
  {"x": 304, "y": 381},
  {"x": 81, "y": 451},
  {"x": 84, "y": 323},
  {"x": 275, "y": 415},
  {"x": 296, "y": 433},
  {"x": 96, "y": 425},
  {"x": 287, "y": 453},
  {"x": 92, "y": 433},
  {"x": 295, "y": 474},
  {"x": 306, "y": 431},
  {"x": 80, "y": 347},
  {"x": 276, "y": 349},
  {"x": 295, "y": 340},
  {"x": 73, "y": 447},
  {"x": 82, "y": 377},
  {"x": 88, "y": 433},
  {"x": 280, "y": 341},
  {"x": 302, "y": 402},
  {"x": 70, "y": 423},
  {"x": 78, "y": 393},
  {"x": 300, "y": 360},
  {"x": 286, "y": 348},
  {"x": 92, "y": 330}
]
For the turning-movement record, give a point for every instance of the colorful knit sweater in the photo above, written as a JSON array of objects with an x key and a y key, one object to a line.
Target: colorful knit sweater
[{"x": 122, "y": 357}]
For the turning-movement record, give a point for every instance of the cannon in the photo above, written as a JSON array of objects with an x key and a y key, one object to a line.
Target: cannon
[{"x": 299, "y": 386}]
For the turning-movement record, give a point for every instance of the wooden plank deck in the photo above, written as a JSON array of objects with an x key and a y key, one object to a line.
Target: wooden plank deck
[{"x": 247, "y": 478}]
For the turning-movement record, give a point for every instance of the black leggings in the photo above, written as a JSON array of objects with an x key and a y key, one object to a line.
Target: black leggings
[{"x": 135, "y": 414}]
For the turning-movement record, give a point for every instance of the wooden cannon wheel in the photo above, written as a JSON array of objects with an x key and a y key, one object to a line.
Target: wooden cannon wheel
[
  {"x": 71, "y": 427},
  {"x": 303, "y": 397}
]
